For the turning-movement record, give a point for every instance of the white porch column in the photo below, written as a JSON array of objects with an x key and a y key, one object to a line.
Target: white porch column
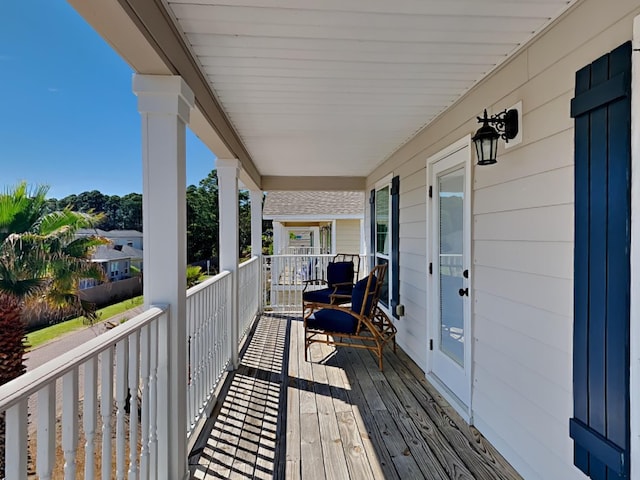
[
  {"x": 278, "y": 238},
  {"x": 256, "y": 238},
  {"x": 334, "y": 234},
  {"x": 228, "y": 170},
  {"x": 256, "y": 222},
  {"x": 165, "y": 103}
]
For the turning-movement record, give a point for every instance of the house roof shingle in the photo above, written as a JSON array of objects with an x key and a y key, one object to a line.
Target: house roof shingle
[
  {"x": 278, "y": 203},
  {"x": 105, "y": 253}
]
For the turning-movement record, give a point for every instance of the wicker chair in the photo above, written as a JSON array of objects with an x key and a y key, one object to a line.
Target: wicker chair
[{"x": 361, "y": 325}]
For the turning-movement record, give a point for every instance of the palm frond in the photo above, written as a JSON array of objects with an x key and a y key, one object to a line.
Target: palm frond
[
  {"x": 20, "y": 208},
  {"x": 66, "y": 222}
]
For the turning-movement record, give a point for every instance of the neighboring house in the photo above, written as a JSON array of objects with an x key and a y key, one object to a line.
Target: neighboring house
[
  {"x": 130, "y": 238},
  {"x": 115, "y": 263},
  {"x": 316, "y": 222}
]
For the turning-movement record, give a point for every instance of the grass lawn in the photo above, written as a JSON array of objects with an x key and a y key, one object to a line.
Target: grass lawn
[{"x": 38, "y": 337}]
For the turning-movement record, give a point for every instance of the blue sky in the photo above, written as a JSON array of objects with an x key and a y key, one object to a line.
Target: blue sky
[{"x": 68, "y": 116}]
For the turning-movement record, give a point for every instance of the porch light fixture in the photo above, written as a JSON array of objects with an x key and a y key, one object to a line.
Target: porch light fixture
[{"x": 486, "y": 138}]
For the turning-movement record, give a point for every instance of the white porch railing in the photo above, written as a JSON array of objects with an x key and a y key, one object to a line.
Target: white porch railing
[
  {"x": 208, "y": 347},
  {"x": 284, "y": 278},
  {"x": 68, "y": 404},
  {"x": 113, "y": 378},
  {"x": 249, "y": 297}
]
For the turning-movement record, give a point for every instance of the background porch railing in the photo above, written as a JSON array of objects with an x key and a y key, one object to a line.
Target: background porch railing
[
  {"x": 284, "y": 278},
  {"x": 208, "y": 347},
  {"x": 249, "y": 297}
]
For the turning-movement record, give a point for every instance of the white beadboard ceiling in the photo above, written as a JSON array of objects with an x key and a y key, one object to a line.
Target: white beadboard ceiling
[{"x": 333, "y": 87}]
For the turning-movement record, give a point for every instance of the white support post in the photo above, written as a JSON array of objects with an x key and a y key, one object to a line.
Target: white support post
[
  {"x": 278, "y": 238},
  {"x": 165, "y": 103},
  {"x": 256, "y": 222},
  {"x": 228, "y": 171},
  {"x": 256, "y": 238},
  {"x": 334, "y": 234}
]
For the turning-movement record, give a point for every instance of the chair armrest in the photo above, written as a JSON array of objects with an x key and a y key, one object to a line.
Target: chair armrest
[
  {"x": 339, "y": 298},
  {"x": 313, "y": 281},
  {"x": 343, "y": 284}
]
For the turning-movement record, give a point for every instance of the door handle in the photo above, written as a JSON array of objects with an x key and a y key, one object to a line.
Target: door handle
[{"x": 464, "y": 292}]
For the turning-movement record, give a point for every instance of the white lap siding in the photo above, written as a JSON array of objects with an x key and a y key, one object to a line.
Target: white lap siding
[{"x": 522, "y": 241}]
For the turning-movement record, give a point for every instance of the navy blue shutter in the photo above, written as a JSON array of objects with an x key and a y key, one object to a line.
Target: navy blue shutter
[
  {"x": 372, "y": 222},
  {"x": 602, "y": 112},
  {"x": 395, "y": 245}
]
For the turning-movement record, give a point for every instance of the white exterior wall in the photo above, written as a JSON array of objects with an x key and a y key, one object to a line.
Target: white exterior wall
[
  {"x": 347, "y": 236},
  {"x": 522, "y": 241}
]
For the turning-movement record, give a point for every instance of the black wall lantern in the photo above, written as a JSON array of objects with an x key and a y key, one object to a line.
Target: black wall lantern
[{"x": 486, "y": 138}]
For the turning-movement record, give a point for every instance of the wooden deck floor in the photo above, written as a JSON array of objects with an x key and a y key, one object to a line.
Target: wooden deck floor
[{"x": 336, "y": 417}]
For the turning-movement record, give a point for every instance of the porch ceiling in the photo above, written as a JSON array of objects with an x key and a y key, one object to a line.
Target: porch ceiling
[
  {"x": 333, "y": 87},
  {"x": 323, "y": 89}
]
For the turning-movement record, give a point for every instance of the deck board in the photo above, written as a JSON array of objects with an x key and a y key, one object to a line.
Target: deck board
[{"x": 336, "y": 416}]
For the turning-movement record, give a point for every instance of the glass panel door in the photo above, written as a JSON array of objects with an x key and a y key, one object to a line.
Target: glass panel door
[
  {"x": 450, "y": 264},
  {"x": 449, "y": 245}
]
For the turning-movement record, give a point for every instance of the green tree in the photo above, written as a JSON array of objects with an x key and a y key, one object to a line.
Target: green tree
[
  {"x": 202, "y": 219},
  {"x": 131, "y": 211}
]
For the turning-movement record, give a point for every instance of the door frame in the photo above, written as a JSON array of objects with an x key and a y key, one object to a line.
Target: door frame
[
  {"x": 462, "y": 405},
  {"x": 634, "y": 308}
]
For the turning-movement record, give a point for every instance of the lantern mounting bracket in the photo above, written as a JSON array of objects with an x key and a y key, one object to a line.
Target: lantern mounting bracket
[{"x": 505, "y": 123}]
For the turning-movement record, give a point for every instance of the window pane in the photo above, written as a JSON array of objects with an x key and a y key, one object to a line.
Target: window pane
[
  {"x": 382, "y": 221},
  {"x": 384, "y": 292}
]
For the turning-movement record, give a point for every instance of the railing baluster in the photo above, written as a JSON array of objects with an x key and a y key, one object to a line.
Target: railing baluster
[
  {"x": 198, "y": 363},
  {"x": 16, "y": 419},
  {"x": 144, "y": 394},
  {"x": 121, "y": 399},
  {"x": 70, "y": 422},
  {"x": 208, "y": 342},
  {"x": 190, "y": 357},
  {"x": 106, "y": 406},
  {"x": 153, "y": 401},
  {"x": 133, "y": 406},
  {"x": 46, "y": 448},
  {"x": 89, "y": 415}
]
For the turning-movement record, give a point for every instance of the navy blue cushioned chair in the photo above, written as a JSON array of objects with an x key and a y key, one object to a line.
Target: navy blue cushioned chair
[
  {"x": 338, "y": 284},
  {"x": 362, "y": 320}
]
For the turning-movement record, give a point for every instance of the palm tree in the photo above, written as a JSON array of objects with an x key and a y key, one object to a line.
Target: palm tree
[{"x": 40, "y": 258}]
